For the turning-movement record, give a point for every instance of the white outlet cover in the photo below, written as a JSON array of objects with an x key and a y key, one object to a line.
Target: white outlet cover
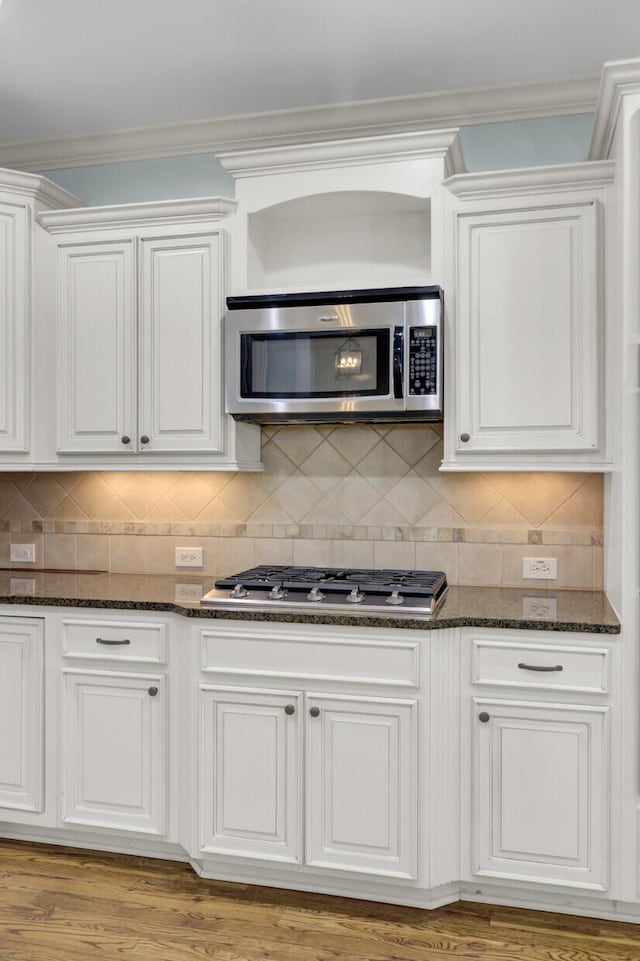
[
  {"x": 189, "y": 556},
  {"x": 25, "y": 553},
  {"x": 540, "y": 608},
  {"x": 540, "y": 568}
]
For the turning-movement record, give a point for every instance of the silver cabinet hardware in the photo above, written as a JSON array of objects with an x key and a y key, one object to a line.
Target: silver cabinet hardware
[
  {"x": 484, "y": 717},
  {"x": 290, "y": 709},
  {"x": 465, "y": 437},
  {"x": 536, "y": 667},
  {"x": 125, "y": 439},
  {"x": 144, "y": 439},
  {"x": 314, "y": 711},
  {"x": 152, "y": 691}
]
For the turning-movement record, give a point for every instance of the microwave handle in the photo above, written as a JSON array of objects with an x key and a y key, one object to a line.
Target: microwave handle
[{"x": 398, "y": 361}]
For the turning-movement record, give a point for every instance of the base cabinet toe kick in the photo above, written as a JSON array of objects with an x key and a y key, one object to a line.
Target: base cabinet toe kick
[{"x": 405, "y": 766}]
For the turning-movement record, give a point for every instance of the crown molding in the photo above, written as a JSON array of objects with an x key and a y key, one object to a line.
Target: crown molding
[
  {"x": 619, "y": 78},
  {"x": 429, "y": 111},
  {"x": 443, "y": 144},
  {"x": 549, "y": 179},
  {"x": 160, "y": 213},
  {"x": 38, "y": 188}
]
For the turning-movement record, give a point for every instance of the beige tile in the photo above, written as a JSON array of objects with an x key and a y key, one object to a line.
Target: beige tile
[
  {"x": 67, "y": 510},
  {"x": 383, "y": 514},
  {"x": 325, "y": 466},
  {"x": 323, "y": 513},
  {"x": 575, "y": 566},
  {"x": 268, "y": 550},
  {"x": 192, "y": 492},
  {"x": 44, "y": 493},
  {"x": 442, "y": 514},
  {"x": 504, "y": 514},
  {"x": 297, "y": 496},
  {"x": 316, "y": 553},
  {"x": 584, "y": 507},
  {"x": 94, "y": 552},
  {"x": 598, "y": 569},
  {"x": 8, "y": 494},
  {"x": 352, "y": 553},
  {"x": 394, "y": 554},
  {"x": 20, "y": 510},
  {"x": 91, "y": 493},
  {"x": 412, "y": 497},
  {"x": 479, "y": 564},
  {"x": 60, "y": 550},
  {"x": 353, "y": 497},
  {"x": 297, "y": 442},
  {"x": 383, "y": 467},
  {"x": 354, "y": 442},
  {"x": 130, "y": 554},
  {"x": 473, "y": 498},
  {"x": 115, "y": 510},
  {"x": 412, "y": 441},
  {"x": 537, "y": 496},
  {"x": 235, "y": 554},
  {"x": 438, "y": 557}
]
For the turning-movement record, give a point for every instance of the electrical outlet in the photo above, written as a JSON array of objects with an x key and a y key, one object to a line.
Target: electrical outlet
[
  {"x": 189, "y": 593},
  {"x": 540, "y": 608},
  {"x": 189, "y": 557},
  {"x": 23, "y": 552},
  {"x": 543, "y": 568},
  {"x": 22, "y": 586}
]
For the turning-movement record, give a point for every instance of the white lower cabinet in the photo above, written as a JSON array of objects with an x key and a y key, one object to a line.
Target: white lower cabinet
[
  {"x": 360, "y": 808},
  {"x": 21, "y": 716},
  {"x": 540, "y": 801},
  {"x": 114, "y": 751}
]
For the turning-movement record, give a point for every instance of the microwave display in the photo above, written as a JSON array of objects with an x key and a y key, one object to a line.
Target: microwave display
[{"x": 315, "y": 364}]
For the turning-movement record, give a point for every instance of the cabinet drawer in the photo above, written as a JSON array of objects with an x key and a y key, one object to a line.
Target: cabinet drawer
[
  {"x": 299, "y": 654},
  {"x": 550, "y": 666},
  {"x": 114, "y": 640}
]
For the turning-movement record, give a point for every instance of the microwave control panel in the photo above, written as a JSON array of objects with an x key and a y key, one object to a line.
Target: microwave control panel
[{"x": 423, "y": 360}]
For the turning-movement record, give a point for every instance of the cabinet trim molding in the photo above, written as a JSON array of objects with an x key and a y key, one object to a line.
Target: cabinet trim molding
[
  {"x": 553, "y": 178},
  {"x": 157, "y": 214}
]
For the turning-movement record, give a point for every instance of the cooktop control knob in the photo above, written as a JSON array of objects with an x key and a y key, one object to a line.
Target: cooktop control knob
[
  {"x": 315, "y": 594},
  {"x": 277, "y": 593},
  {"x": 355, "y": 597},
  {"x": 394, "y": 598},
  {"x": 239, "y": 591}
]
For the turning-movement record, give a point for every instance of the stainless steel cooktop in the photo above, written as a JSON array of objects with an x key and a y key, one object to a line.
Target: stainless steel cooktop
[{"x": 383, "y": 592}]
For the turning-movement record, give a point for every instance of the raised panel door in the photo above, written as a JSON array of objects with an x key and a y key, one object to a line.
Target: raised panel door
[
  {"x": 180, "y": 358},
  {"x": 114, "y": 751},
  {"x": 250, "y": 792},
  {"x": 14, "y": 326},
  {"x": 96, "y": 347},
  {"x": 527, "y": 330},
  {"x": 21, "y": 715},
  {"x": 540, "y": 792},
  {"x": 361, "y": 800}
]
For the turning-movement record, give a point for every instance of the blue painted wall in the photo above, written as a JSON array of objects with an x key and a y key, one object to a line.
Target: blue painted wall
[{"x": 495, "y": 146}]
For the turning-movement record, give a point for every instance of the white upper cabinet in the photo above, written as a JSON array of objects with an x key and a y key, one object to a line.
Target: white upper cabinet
[
  {"x": 342, "y": 214},
  {"x": 21, "y": 197},
  {"x": 139, "y": 339},
  {"x": 525, "y": 337}
]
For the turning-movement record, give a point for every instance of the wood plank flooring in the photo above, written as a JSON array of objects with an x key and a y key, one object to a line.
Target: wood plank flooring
[{"x": 58, "y": 904}]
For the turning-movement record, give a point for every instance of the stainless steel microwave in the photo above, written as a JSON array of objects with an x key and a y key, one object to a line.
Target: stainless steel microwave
[{"x": 354, "y": 355}]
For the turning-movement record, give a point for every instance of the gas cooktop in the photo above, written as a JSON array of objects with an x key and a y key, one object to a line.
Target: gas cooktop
[{"x": 389, "y": 592}]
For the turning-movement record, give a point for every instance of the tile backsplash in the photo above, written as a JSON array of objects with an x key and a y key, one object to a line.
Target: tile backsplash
[{"x": 345, "y": 495}]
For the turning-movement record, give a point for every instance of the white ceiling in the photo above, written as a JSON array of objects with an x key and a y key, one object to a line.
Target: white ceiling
[{"x": 73, "y": 67}]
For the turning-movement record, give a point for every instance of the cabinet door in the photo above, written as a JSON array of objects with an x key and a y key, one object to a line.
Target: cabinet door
[
  {"x": 540, "y": 792},
  {"x": 114, "y": 750},
  {"x": 180, "y": 359},
  {"x": 21, "y": 715},
  {"x": 527, "y": 330},
  {"x": 14, "y": 326},
  {"x": 96, "y": 347},
  {"x": 361, "y": 784},
  {"x": 250, "y": 773}
]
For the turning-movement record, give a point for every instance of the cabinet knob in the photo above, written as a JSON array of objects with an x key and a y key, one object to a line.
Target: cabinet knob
[
  {"x": 125, "y": 439},
  {"x": 152, "y": 691},
  {"x": 465, "y": 437},
  {"x": 290, "y": 709},
  {"x": 144, "y": 439},
  {"x": 484, "y": 717},
  {"x": 314, "y": 711}
]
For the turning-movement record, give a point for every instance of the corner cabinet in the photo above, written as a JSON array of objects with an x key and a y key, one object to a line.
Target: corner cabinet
[
  {"x": 526, "y": 347},
  {"x": 140, "y": 299},
  {"x": 22, "y": 196}
]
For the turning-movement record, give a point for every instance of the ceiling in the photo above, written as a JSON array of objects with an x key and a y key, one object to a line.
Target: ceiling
[{"x": 75, "y": 67}]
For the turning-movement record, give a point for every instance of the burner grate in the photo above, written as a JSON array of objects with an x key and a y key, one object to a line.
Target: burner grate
[{"x": 339, "y": 580}]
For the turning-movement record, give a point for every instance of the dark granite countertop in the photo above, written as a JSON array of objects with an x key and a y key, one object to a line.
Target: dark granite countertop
[{"x": 497, "y": 607}]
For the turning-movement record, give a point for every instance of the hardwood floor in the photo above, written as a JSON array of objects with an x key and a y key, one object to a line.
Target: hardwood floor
[{"x": 58, "y": 904}]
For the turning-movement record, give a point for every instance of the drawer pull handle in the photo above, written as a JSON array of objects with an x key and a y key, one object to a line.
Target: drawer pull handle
[
  {"x": 290, "y": 709},
  {"x": 105, "y": 640},
  {"x": 314, "y": 711},
  {"x": 152, "y": 691},
  {"x": 537, "y": 667}
]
